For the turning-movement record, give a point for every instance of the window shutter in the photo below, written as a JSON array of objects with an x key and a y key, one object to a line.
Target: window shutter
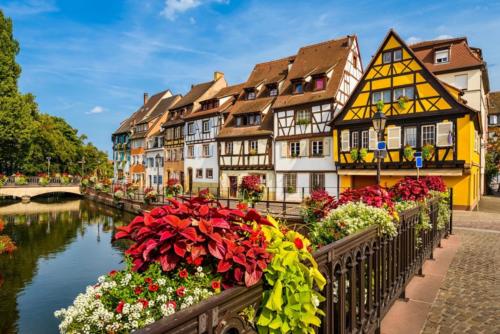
[
  {"x": 303, "y": 148},
  {"x": 372, "y": 139},
  {"x": 393, "y": 138},
  {"x": 344, "y": 141},
  {"x": 326, "y": 147},
  {"x": 443, "y": 131},
  {"x": 284, "y": 149}
]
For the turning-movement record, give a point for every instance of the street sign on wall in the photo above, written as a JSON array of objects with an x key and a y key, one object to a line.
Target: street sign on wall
[
  {"x": 418, "y": 161},
  {"x": 381, "y": 146}
]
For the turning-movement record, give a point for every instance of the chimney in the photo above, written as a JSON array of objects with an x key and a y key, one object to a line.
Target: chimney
[
  {"x": 146, "y": 98},
  {"x": 218, "y": 75}
]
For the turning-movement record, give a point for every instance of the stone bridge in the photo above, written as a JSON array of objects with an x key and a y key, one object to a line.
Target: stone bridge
[{"x": 32, "y": 188}]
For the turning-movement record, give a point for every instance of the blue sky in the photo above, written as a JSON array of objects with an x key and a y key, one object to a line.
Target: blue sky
[{"x": 90, "y": 61}]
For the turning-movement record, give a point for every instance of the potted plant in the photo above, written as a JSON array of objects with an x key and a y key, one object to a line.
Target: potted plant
[
  {"x": 253, "y": 151},
  {"x": 409, "y": 152},
  {"x": 402, "y": 100},
  {"x": 173, "y": 188},
  {"x": 303, "y": 121},
  {"x": 43, "y": 179},
  {"x": 251, "y": 189},
  {"x": 363, "y": 152},
  {"x": 354, "y": 154},
  {"x": 20, "y": 179},
  {"x": 380, "y": 105},
  {"x": 427, "y": 151},
  {"x": 149, "y": 195},
  {"x": 290, "y": 190}
]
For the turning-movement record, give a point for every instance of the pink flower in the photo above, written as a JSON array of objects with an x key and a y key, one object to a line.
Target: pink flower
[{"x": 180, "y": 291}]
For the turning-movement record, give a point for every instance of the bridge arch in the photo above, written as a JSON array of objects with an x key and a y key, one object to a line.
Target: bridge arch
[{"x": 27, "y": 192}]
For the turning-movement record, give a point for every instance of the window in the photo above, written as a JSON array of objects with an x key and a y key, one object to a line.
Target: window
[
  {"x": 397, "y": 55},
  {"x": 160, "y": 179},
  {"x": 355, "y": 139},
  {"x": 294, "y": 149},
  {"x": 191, "y": 128},
  {"x": 205, "y": 126},
  {"x": 209, "y": 173},
  {"x": 444, "y": 134},
  {"x": 442, "y": 56},
  {"x": 206, "y": 150},
  {"x": 461, "y": 81},
  {"x": 290, "y": 181},
  {"x": 355, "y": 61},
  {"x": 344, "y": 141},
  {"x": 364, "y": 139},
  {"x": 199, "y": 173},
  {"x": 317, "y": 148},
  {"x": 251, "y": 119},
  {"x": 319, "y": 83},
  {"x": 303, "y": 116},
  {"x": 410, "y": 136},
  {"x": 428, "y": 134},
  {"x": 251, "y": 94},
  {"x": 154, "y": 179},
  {"x": 177, "y": 132},
  {"x": 493, "y": 119},
  {"x": 252, "y": 147},
  {"x": 317, "y": 181},
  {"x": 383, "y": 95},
  {"x": 228, "y": 148},
  {"x": 387, "y": 57},
  {"x": 407, "y": 92},
  {"x": 393, "y": 137},
  {"x": 298, "y": 88},
  {"x": 190, "y": 152},
  {"x": 273, "y": 90}
]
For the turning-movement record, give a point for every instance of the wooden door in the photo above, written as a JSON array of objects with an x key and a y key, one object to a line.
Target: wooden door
[
  {"x": 190, "y": 180},
  {"x": 233, "y": 186}
]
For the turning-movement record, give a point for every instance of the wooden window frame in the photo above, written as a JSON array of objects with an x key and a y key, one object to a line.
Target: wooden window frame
[
  {"x": 318, "y": 79},
  {"x": 205, "y": 154},
  {"x": 209, "y": 173},
  {"x": 190, "y": 152},
  {"x": 322, "y": 181},
  {"x": 199, "y": 173},
  {"x": 318, "y": 142},
  {"x": 250, "y": 144},
  {"x": 226, "y": 146},
  {"x": 207, "y": 123},
  {"x": 292, "y": 187}
]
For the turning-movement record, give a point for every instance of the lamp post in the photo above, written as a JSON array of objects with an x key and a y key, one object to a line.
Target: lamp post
[
  {"x": 48, "y": 167},
  {"x": 379, "y": 119},
  {"x": 158, "y": 173}
]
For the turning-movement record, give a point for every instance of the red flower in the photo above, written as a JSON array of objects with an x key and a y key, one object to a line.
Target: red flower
[
  {"x": 172, "y": 304},
  {"x": 183, "y": 274},
  {"x": 180, "y": 291},
  {"x": 153, "y": 287},
  {"x": 138, "y": 290},
  {"x": 112, "y": 273},
  {"x": 148, "y": 280},
  {"x": 119, "y": 307},
  {"x": 97, "y": 296},
  {"x": 298, "y": 243},
  {"x": 216, "y": 285},
  {"x": 242, "y": 206},
  {"x": 144, "y": 302}
]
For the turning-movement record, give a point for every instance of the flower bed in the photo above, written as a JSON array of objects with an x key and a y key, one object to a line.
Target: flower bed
[
  {"x": 251, "y": 190},
  {"x": 173, "y": 188}
]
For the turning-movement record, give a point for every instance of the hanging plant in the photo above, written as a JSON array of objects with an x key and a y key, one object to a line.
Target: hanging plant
[
  {"x": 354, "y": 154},
  {"x": 427, "y": 151},
  {"x": 409, "y": 152},
  {"x": 402, "y": 100},
  {"x": 363, "y": 152},
  {"x": 380, "y": 105},
  {"x": 303, "y": 121}
]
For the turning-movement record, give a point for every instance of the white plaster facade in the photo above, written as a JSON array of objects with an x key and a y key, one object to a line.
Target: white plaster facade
[{"x": 154, "y": 162}]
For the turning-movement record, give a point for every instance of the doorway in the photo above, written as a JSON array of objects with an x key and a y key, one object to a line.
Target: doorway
[
  {"x": 190, "y": 180},
  {"x": 233, "y": 186}
]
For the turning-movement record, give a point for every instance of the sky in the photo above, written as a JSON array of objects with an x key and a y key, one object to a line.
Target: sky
[{"x": 90, "y": 61}]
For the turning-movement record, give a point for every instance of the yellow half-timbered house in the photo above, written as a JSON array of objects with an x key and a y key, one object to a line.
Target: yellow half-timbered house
[{"x": 423, "y": 115}]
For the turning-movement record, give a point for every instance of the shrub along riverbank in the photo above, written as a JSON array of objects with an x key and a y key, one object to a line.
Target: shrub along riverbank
[{"x": 190, "y": 250}]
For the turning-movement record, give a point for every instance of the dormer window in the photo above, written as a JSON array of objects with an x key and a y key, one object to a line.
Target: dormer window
[
  {"x": 298, "y": 88},
  {"x": 250, "y": 94},
  {"x": 207, "y": 105},
  {"x": 273, "y": 90},
  {"x": 442, "y": 56},
  {"x": 319, "y": 83},
  {"x": 249, "y": 119}
]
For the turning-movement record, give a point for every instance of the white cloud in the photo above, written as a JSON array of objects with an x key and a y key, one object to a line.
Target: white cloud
[
  {"x": 443, "y": 37},
  {"x": 413, "y": 40},
  {"x": 30, "y": 7},
  {"x": 96, "y": 110},
  {"x": 172, "y": 7}
]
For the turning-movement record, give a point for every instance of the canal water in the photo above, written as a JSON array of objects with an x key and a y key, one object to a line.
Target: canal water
[{"x": 63, "y": 245}]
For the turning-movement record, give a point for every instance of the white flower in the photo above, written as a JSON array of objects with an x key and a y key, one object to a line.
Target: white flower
[{"x": 199, "y": 269}]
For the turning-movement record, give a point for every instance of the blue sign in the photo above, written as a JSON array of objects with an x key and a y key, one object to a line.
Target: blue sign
[
  {"x": 381, "y": 146},
  {"x": 417, "y": 154},
  {"x": 418, "y": 162}
]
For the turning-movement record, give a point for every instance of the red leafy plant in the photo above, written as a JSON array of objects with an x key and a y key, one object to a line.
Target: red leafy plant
[
  {"x": 375, "y": 195},
  {"x": 410, "y": 189},
  {"x": 200, "y": 232},
  {"x": 317, "y": 206},
  {"x": 434, "y": 183}
]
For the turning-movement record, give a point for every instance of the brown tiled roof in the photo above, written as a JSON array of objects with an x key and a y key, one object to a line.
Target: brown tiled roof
[
  {"x": 193, "y": 95},
  {"x": 230, "y": 90},
  {"x": 461, "y": 55},
  {"x": 494, "y": 103},
  {"x": 231, "y": 131},
  {"x": 140, "y": 113},
  {"x": 269, "y": 72},
  {"x": 206, "y": 113},
  {"x": 249, "y": 106},
  {"x": 316, "y": 59},
  {"x": 161, "y": 108}
]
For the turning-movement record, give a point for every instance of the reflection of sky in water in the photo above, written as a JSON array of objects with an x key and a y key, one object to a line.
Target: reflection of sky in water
[{"x": 60, "y": 253}]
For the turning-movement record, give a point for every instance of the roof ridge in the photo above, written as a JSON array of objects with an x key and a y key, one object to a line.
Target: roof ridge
[
  {"x": 274, "y": 61},
  {"x": 327, "y": 41},
  {"x": 437, "y": 41}
]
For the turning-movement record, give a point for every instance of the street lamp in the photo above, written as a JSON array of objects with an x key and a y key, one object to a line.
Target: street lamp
[
  {"x": 158, "y": 173},
  {"x": 48, "y": 166},
  {"x": 379, "y": 119}
]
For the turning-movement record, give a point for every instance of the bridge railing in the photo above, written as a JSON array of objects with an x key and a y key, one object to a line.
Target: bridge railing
[{"x": 30, "y": 181}]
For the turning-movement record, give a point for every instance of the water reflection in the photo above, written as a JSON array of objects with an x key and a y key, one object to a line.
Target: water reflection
[{"x": 62, "y": 247}]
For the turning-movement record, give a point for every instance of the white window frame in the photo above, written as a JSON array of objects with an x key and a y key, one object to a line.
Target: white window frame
[
  {"x": 365, "y": 140},
  {"x": 393, "y": 138},
  {"x": 190, "y": 151},
  {"x": 228, "y": 148},
  {"x": 372, "y": 139},
  {"x": 206, "y": 150},
  {"x": 442, "y": 56},
  {"x": 345, "y": 138},
  {"x": 317, "y": 148},
  {"x": 440, "y": 133},
  {"x": 405, "y": 132},
  {"x": 253, "y": 145},
  {"x": 190, "y": 128},
  {"x": 290, "y": 181},
  {"x": 294, "y": 146},
  {"x": 404, "y": 92},
  {"x": 209, "y": 175},
  {"x": 355, "y": 139},
  {"x": 423, "y": 133},
  {"x": 206, "y": 126},
  {"x": 466, "y": 83}
]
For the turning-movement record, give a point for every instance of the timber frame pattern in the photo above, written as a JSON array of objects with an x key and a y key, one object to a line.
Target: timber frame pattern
[
  {"x": 318, "y": 125},
  {"x": 432, "y": 102},
  {"x": 242, "y": 160}
]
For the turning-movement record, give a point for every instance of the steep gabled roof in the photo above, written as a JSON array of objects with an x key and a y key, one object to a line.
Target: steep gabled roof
[
  {"x": 230, "y": 90},
  {"x": 269, "y": 72},
  {"x": 194, "y": 94},
  {"x": 141, "y": 112},
  {"x": 494, "y": 103},
  {"x": 312, "y": 60},
  {"x": 161, "y": 108}
]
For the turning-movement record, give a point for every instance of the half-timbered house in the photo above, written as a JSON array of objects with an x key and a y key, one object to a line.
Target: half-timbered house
[
  {"x": 176, "y": 130},
  {"x": 202, "y": 126},
  {"x": 319, "y": 83},
  {"x": 246, "y": 139},
  {"x": 423, "y": 114}
]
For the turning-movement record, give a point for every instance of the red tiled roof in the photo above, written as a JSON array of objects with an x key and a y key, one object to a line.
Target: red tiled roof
[
  {"x": 494, "y": 103},
  {"x": 269, "y": 72}
]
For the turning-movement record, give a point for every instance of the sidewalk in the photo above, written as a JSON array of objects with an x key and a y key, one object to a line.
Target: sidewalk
[{"x": 460, "y": 291}]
